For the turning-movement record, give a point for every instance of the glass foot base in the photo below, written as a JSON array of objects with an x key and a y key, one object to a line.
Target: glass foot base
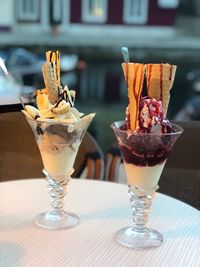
[
  {"x": 128, "y": 237},
  {"x": 53, "y": 221}
]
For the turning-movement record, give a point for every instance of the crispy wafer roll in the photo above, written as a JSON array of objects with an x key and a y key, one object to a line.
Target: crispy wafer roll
[
  {"x": 134, "y": 76},
  {"x": 54, "y": 56},
  {"x": 160, "y": 78},
  {"x": 42, "y": 91},
  {"x": 51, "y": 82}
]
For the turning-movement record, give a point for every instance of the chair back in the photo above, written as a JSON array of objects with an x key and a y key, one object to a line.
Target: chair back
[
  {"x": 113, "y": 161},
  {"x": 89, "y": 162}
]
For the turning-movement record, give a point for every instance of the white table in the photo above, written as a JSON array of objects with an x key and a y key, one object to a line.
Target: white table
[{"x": 103, "y": 208}]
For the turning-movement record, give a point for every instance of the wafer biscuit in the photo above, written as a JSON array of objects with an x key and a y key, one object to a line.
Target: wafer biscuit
[
  {"x": 134, "y": 76},
  {"x": 54, "y": 56},
  {"x": 160, "y": 78},
  {"x": 51, "y": 82}
]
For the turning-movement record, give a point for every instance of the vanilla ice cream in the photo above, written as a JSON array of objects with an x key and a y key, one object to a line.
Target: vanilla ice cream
[{"x": 143, "y": 177}]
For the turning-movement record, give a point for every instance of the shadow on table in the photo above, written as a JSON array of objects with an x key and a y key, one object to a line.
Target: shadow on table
[
  {"x": 118, "y": 212},
  {"x": 10, "y": 253},
  {"x": 123, "y": 213},
  {"x": 13, "y": 222},
  {"x": 183, "y": 232}
]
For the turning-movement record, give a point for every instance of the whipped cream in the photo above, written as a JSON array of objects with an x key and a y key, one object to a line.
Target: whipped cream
[
  {"x": 63, "y": 111},
  {"x": 151, "y": 117}
]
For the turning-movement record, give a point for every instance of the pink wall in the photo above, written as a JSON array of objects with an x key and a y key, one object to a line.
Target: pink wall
[
  {"x": 157, "y": 16},
  {"x": 75, "y": 11}
]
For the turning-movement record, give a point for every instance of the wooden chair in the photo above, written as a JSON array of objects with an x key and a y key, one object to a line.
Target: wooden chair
[
  {"x": 89, "y": 163},
  {"x": 181, "y": 175},
  {"x": 113, "y": 160},
  {"x": 20, "y": 157}
]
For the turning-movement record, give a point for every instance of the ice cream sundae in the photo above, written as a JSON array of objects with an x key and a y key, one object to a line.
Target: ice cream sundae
[
  {"x": 144, "y": 151},
  {"x": 56, "y": 123},
  {"x": 145, "y": 139},
  {"x": 58, "y": 128}
]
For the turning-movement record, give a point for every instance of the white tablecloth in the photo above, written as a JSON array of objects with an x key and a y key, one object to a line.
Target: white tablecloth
[{"x": 103, "y": 209}]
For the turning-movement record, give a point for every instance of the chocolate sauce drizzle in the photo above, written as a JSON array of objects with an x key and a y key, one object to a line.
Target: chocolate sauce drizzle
[
  {"x": 127, "y": 76},
  {"x": 136, "y": 95},
  {"x": 170, "y": 73},
  {"x": 127, "y": 114},
  {"x": 161, "y": 82},
  {"x": 62, "y": 94},
  {"x": 56, "y": 63},
  {"x": 51, "y": 55},
  {"x": 149, "y": 77}
]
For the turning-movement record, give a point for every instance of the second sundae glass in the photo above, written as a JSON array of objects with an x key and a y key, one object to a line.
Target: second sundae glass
[
  {"x": 144, "y": 157},
  {"x": 58, "y": 144}
]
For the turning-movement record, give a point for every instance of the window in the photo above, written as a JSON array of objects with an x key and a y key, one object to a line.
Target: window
[
  {"x": 168, "y": 3},
  {"x": 135, "y": 11},
  {"x": 94, "y": 10},
  {"x": 28, "y": 10},
  {"x": 56, "y": 11}
]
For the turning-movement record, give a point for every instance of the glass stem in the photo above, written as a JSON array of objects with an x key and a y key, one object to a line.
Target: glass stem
[
  {"x": 141, "y": 207},
  {"x": 57, "y": 192}
]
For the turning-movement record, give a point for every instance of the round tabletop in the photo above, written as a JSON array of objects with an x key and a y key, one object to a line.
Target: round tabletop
[{"x": 103, "y": 209}]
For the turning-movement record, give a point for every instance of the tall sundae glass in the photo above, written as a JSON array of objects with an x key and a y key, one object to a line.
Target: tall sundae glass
[
  {"x": 144, "y": 157},
  {"x": 145, "y": 139},
  {"x": 59, "y": 129}
]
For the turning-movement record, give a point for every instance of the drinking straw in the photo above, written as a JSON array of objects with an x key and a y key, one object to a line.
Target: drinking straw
[{"x": 125, "y": 54}]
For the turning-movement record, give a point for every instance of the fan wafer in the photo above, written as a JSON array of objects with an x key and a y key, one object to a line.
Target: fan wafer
[
  {"x": 160, "y": 78},
  {"x": 54, "y": 56},
  {"x": 51, "y": 82},
  {"x": 134, "y": 76}
]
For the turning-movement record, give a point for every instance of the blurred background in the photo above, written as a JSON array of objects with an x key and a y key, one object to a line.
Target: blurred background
[{"x": 89, "y": 35}]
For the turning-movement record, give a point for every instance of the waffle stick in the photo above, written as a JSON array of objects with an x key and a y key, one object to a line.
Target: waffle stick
[
  {"x": 160, "y": 78},
  {"x": 51, "y": 82},
  {"x": 153, "y": 88},
  {"x": 134, "y": 77},
  {"x": 167, "y": 85},
  {"x": 54, "y": 56}
]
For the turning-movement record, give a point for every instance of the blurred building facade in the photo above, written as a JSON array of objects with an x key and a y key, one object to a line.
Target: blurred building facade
[{"x": 84, "y": 22}]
